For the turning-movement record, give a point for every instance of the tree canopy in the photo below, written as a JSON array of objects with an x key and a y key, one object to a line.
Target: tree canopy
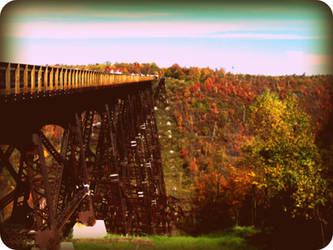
[{"x": 283, "y": 156}]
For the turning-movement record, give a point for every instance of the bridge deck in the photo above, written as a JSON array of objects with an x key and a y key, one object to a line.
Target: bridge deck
[
  {"x": 32, "y": 96},
  {"x": 33, "y": 81}
]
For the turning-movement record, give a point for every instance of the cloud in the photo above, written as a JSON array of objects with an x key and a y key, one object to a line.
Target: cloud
[
  {"x": 147, "y": 29},
  {"x": 129, "y": 15},
  {"x": 263, "y": 36},
  {"x": 77, "y": 12},
  {"x": 91, "y": 30}
]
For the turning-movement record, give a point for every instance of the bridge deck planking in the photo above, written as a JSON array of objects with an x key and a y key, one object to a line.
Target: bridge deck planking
[{"x": 24, "y": 78}]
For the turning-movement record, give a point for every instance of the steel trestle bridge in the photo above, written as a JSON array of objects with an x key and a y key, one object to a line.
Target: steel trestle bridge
[{"x": 77, "y": 145}]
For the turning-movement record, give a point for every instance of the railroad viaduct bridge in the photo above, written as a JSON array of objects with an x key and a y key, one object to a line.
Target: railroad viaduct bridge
[{"x": 77, "y": 145}]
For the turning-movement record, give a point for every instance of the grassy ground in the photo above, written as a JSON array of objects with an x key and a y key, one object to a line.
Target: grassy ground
[{"x": 235, "y": 238}]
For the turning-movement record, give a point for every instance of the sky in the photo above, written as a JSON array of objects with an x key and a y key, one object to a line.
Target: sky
[{"x": 265, "y": 37}]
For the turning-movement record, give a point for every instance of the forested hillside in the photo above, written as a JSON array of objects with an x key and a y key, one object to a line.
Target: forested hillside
[{"x": 249, "y": 150}]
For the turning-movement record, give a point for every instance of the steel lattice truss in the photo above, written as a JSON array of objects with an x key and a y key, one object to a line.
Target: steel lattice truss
[{"x": 105, "y": 164}]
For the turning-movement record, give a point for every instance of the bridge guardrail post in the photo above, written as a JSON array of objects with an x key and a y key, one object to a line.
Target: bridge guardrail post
[
  {"x": 69, "y": 83},
  {"x": 17, "y": 79},
  {"x": 32, "y": 79},
  {"x": 7, "y": 76},
  {"x": 84, "y": 79},
  {"x": 69, "y": 72},
  {"x": 65, "y": 78},
  {"x": 76, "y": 78},
  {"x": 61, "y": 80},
  {"x": 89, "y": 78},
  {"x": 51, "y": 77},
  {"x": 83, "y": 76},
  {"x": 80, "y": 78},
  {"x": 25, "y": 79},
  {"x": 39, "y": 79},
  {"x": 73, "y": 79},
  {"x": 45, "y": 79},
  {"x": 56, "y": 79}
]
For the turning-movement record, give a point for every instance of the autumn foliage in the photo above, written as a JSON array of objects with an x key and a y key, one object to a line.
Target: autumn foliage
[
  {"x": 247, "y": 149},
  {"x": 240, "y": 169}
]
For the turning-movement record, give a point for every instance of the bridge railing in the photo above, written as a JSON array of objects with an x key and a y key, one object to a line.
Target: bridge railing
[{"x": 24, "y": 78}]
